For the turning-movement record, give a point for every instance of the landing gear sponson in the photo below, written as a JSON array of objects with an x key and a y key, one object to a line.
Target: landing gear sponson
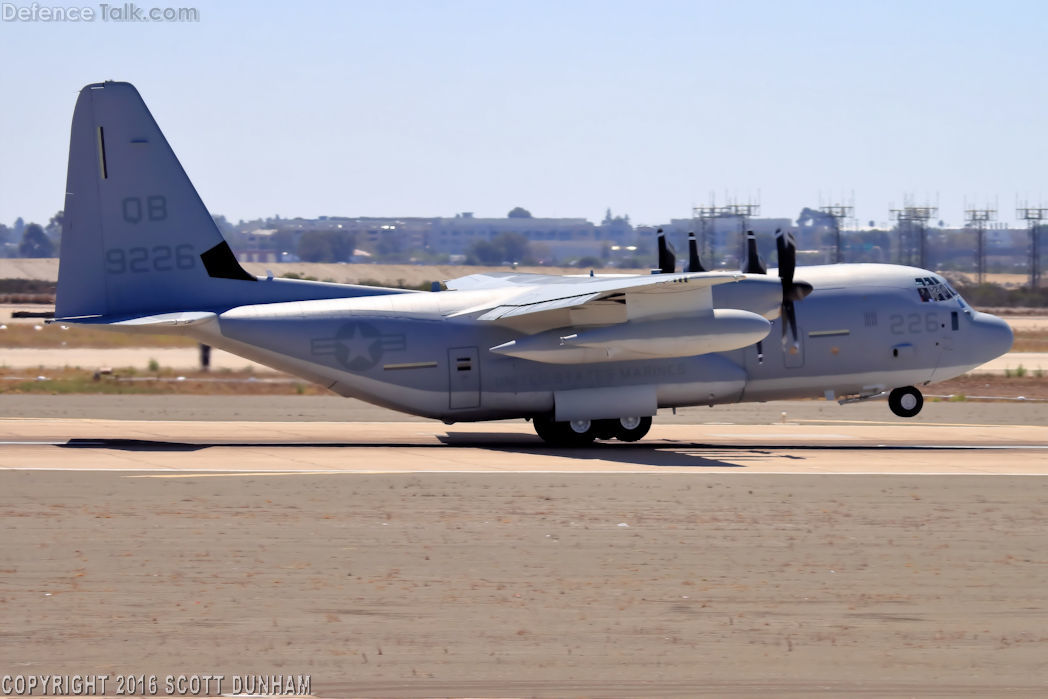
[
  {"x": 582, "y": 432},
  {"x": 906, "y": 401}
]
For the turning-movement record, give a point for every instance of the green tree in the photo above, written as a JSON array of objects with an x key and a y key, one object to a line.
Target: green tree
[
  {"x": 282, "y": 241},
  {"x": 589, "y": 262},
  {"x": 54, "y": 226},
  {"x": 390, "y": 247},
  {"x": 504, "y": 247},
  {"x": 519, "y": 212},
  {"x": 483, "y": 252},
  {"x": 35, "y": 242},
  {"x": 224, "y": 226},
  {"x": 515, "y": 247},
  {"x": 326, "y": 246}
]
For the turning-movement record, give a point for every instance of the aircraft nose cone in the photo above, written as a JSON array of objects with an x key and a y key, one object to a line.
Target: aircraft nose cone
[{"x": 994, "y": 336}]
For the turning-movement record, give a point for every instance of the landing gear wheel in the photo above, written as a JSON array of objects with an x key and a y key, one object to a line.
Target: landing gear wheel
[
  {"x": 630, "y": 429},
  {"x": 577, "y": 433},
  {"x": 906, "y": 401}
]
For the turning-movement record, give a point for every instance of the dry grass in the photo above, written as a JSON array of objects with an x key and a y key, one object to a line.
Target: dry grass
[
  {"x": 54, "y": 336},
  {"x": 131, "y": 381},
  {"x": 1030, "y": 341},
  {"x": 1031, "y": 385}
]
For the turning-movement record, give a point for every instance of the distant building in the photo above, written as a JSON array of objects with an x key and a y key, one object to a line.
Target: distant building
[
  {"x": 257, "y": 255},
  {"x": 455, "y": 235}
]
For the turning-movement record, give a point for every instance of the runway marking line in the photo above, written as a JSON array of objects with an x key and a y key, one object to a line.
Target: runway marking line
[
  {"x": 237, "y": 474},
  {"x": 654, "y": 471},
  {"x": 901, "y": 424}
]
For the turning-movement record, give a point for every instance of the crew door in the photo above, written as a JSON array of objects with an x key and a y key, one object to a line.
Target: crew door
[{"x": 463, "y": 378}]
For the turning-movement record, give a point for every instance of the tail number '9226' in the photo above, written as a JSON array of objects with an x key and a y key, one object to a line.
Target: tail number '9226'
[{"x": 158, "y": 258}]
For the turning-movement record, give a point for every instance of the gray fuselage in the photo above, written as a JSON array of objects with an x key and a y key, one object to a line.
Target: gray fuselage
[{"x": 864, "y": 329}]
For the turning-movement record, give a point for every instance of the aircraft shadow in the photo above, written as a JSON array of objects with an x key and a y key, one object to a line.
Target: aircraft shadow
[
  {"x": 507, "y": 442},
  {"x": 639, "y": 453},
  {"x": 655, "y": 453}
]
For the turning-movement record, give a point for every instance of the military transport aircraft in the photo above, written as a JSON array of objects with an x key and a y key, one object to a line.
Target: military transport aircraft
[{"x": 588, "y": 357}]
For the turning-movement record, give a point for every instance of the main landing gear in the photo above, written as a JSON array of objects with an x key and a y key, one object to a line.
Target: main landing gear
[
  {"x": 906, "y": 401},
  {"x": 581, "y": 432}
]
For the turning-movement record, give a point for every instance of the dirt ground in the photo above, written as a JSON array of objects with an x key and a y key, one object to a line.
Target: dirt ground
[
  {"x": 533, "y": 585},
  {"x": 686, "y": 581}
]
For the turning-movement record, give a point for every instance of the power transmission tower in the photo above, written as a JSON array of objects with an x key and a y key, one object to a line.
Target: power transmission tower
[
  {"x": 707, "y": 230},
  {"x": 742, "y": 212},
  {"x": 913, "y": 233},
  {"x": 978, "y": 218},
  {"x": 1033, "y": 216},
  {"x": 837, "y": 212}
]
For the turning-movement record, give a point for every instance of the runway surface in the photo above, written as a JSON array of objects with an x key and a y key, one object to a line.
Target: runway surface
[
  {"x": 826, "y": 551},
  {"x": 410, "y": 447}
]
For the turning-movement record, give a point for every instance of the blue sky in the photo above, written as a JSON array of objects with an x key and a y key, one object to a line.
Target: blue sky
[{"x": 565, "y": 108}]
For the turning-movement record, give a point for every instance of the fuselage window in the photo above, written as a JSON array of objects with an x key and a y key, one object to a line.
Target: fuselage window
[{"x": 954, "y": 322}]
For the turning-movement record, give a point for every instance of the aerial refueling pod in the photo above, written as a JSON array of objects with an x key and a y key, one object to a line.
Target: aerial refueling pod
[{"x": 721, "y": 330}]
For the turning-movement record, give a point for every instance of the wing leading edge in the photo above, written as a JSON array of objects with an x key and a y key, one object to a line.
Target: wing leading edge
[{"x": 532, "y": 303}]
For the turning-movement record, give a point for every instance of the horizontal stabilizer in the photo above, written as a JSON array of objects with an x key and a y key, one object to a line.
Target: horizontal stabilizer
[{"x": 161, "y": 323}]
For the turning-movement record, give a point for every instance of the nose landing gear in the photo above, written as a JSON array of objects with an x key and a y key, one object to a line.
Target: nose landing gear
[
  {"x": 581, "y": 432},
  {"x": 906, "y": 401}
]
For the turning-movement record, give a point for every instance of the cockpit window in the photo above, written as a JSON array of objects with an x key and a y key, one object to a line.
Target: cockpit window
[{"x": 934, "y": 289}]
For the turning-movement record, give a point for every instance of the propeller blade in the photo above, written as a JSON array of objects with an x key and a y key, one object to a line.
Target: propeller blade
[
  {"x": 694, "y": 263},
  {"x": 791, "y": 290},
  {"x": 753, "y": 264},
  {"x": 667, "y": 258},
  {"x": 787, "y": 250},
  {"x": 789, "y": 324}
]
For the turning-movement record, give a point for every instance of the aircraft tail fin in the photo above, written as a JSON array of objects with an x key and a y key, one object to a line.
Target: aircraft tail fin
[{"x": 137, "y": 239}]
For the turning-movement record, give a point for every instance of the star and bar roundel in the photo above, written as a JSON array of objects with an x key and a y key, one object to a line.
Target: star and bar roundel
[{"x": 358, "y": 345}]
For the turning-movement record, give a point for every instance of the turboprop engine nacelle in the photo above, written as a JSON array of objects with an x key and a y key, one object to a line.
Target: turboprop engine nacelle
[
  {"x": 721, "y": 330},
  {"x": 759, "y": 294}
]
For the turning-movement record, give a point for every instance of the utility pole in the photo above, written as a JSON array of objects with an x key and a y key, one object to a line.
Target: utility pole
[
  {"x": 1033, "y": 216},
  {"x": 978, "y": 218}
]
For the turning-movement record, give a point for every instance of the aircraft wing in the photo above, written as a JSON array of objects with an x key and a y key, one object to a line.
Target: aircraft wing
[{"x": 536, "y": 302}]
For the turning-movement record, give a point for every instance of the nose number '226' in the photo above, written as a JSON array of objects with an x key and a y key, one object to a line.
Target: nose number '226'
[{"x": 912, "y": 323}]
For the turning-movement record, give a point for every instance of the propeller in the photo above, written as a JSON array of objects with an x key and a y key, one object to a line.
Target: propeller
[
  {"x": 694, "y": 263},
  {"x": 667, "y": 256},
  {"x": 753, "y": 264},
  {"x": 791, "y": 290}
]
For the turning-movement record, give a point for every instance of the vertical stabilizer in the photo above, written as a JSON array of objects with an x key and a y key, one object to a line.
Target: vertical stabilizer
[{"x": 137, "y": 237}]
